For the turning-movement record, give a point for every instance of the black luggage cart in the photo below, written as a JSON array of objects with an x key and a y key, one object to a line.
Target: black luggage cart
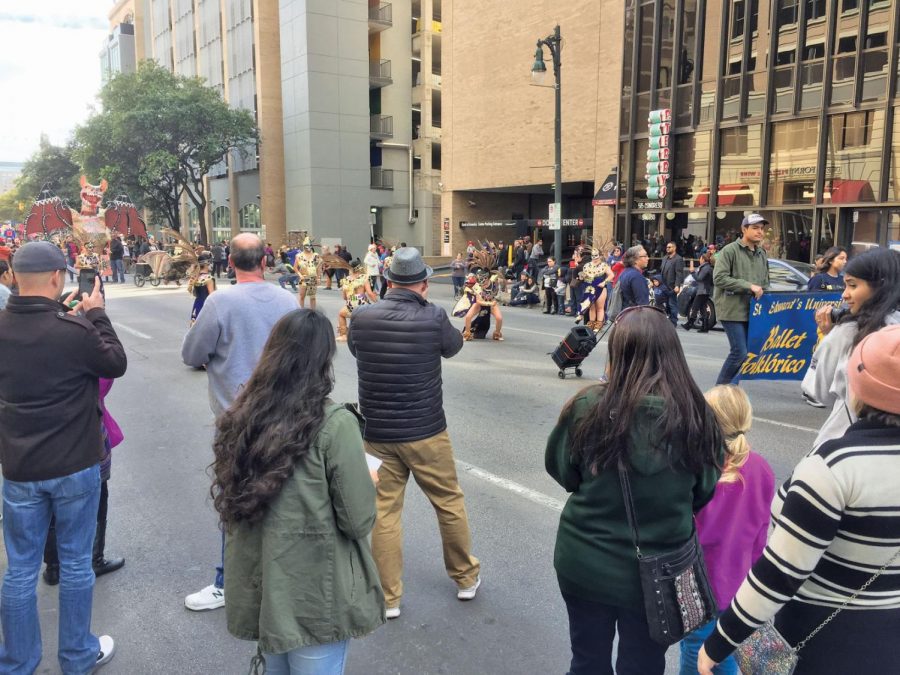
[{"x": 574, "y": 349}]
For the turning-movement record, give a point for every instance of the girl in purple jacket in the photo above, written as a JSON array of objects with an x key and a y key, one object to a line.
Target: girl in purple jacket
[{"x": 733, "y": 527}]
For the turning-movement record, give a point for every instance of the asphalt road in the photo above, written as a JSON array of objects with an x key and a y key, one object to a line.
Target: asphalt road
[{"x": 501, "y": 401}]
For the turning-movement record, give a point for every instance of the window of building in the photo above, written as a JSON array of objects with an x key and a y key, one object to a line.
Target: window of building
[
  {"x": 667, "y": 45},
  {"x": 737, "y": 18},
  {"x": 788, "y": 12},
  {"x": 853, "y": 161},
  {"x": 894, "y": 181},
  {"x": 249, "y": 219},
  {"x": 690, "y": 174},
  {"x": 221, "y": 221},
  {"x": 645, "y": 53},
  {"x": 785, "y": 58},
  {"x": 876, "y": 40},
  {"x": 734, "y": 68},
  {"x": 814, "y": 51},
  {"x": 194, "y": 224},
  {"x": 624, "y": 174},
  {"x": 739, "y": 166},
  {"x": 640, "y": 147},
  {"x": 815, "y": 9},
  {"x": 792, "y": 169},
  {"x": 849, "y": 5},
  {"x": 846, "y": 44}
]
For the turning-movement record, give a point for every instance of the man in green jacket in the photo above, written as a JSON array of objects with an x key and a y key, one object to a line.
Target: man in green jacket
[{"x": 741, "y": 271}]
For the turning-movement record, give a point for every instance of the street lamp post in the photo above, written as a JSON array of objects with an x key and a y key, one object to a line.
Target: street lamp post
[{"x": 538, "y": 72}]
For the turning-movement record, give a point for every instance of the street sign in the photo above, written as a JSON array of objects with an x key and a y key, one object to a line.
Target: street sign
[{"x": 555, "y": 219}]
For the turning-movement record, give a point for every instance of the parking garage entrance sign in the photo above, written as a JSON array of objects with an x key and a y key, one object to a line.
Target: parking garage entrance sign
[{"x": 783, "y": 335}]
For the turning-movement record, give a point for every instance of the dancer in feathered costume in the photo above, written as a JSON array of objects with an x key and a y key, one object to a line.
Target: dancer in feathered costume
[
  {"x": 357, "y": 291},
  {"x": 308, "y": 264},
  {"x": 201, "y": 284},
  {"x": 595, "y": 274},
  {"x": 483, "y": 293}
]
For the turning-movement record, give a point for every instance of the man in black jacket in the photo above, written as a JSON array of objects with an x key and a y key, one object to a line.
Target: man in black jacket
[
  {"x": 671, "y": 269},
  {"x": 116, "y": 255},
  {"x": 398, "y": 344},
  {"x": 50, "y": 447}
]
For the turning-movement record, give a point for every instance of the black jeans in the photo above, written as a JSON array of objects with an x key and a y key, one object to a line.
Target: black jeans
[
  {"x": 552, "y": 301},
  {"x": 592, "y": 627}
]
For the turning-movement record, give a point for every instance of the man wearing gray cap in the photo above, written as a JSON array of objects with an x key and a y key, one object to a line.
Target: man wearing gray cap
[
  {"x": 741, "y": 272},
  {"x": 398, "y": 344},
  {"x": 50, "y": 447}
]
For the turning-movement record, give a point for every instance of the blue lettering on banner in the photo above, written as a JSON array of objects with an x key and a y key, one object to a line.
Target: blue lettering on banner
[{"x": 783, "y": 334}]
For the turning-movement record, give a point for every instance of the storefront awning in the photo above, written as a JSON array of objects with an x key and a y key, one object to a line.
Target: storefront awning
[
  {"x": 841, "y": 191},
  {"x": 608, "y": 193},
  {"x": 728, "y": 195}
]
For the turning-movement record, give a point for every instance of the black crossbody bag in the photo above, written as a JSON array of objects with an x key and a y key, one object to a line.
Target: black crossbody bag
[{"x": 678, "y": 597}]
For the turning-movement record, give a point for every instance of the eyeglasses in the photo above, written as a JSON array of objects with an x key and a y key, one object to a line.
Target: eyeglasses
[{"x": 635, "y": 308}]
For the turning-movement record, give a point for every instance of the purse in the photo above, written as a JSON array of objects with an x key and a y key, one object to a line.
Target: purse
[
  {"x": 766, "y": 652},
  {"x": 678, "y": 597}
]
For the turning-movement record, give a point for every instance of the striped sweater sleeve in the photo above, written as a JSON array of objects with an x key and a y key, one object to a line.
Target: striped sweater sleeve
[{"x": 804, "y": 529}]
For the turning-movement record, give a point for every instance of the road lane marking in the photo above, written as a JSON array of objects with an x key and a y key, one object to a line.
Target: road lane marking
[
  {"x": 132, "y": 331},
  {"x": 512, "y": 486},
  {"x": 785, "y": 424}
]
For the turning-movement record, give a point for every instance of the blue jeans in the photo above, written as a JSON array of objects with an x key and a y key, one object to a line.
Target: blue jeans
[
  {"x": 118, "y": 270},
  {"x": 27, "y": 508},
  {"x": 313, "y": 660},
  {"x": 690, "y": 648},
  {"x": 737, "y": 340},
  {"x": 458, "y": 283},
  {"x": 671, "y": 307},
  {"x": 220, "y": 570}
]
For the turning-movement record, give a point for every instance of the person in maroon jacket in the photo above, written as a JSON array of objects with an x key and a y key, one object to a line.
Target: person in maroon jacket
[{"x": 50, "y": 448}]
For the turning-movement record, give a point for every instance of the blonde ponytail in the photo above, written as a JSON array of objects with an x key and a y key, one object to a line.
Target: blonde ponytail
[{"x": 735, "y": 415}]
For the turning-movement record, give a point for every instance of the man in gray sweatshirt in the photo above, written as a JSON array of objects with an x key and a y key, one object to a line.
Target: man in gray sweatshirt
[{"x": 227, "y": 339}]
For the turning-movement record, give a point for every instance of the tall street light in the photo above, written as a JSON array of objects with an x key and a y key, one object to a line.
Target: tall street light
[{"x": 538, "y": 74}]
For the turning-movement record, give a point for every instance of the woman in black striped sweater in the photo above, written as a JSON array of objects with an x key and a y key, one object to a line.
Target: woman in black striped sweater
[{"x": 837, "y": 522}]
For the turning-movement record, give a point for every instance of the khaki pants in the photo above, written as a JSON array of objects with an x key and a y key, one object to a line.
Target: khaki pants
[{"x": 431, "y": 463}]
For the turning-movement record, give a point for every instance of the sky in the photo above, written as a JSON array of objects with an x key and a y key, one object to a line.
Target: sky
[{"x": 49, "y": 70}]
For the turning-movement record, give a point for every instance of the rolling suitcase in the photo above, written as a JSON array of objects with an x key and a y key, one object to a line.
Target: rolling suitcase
[{"x": 574, "y": 349}]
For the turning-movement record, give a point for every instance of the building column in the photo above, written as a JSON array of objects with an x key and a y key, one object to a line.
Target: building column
[{"x": 269, "y": 116}]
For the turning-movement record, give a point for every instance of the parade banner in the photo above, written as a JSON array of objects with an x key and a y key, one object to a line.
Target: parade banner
[{"x": 783, "y": 334}]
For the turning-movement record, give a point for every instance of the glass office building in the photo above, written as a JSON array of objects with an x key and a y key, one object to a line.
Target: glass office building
[{"x": 785, "y": 107}]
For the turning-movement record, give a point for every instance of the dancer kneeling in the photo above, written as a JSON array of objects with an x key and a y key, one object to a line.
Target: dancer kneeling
[
  {"x": 484, "y": 293},
  {"x": 357, "y": 291}
]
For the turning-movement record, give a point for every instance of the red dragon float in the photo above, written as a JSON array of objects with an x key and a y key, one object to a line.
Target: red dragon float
[{"x": 51, "y": 217}]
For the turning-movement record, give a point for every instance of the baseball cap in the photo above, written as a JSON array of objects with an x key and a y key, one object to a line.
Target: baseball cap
[
  {"x": 873, "y": 371},
  {"x": 753, "y": 219},
  {"x": 38, "y": 256}
]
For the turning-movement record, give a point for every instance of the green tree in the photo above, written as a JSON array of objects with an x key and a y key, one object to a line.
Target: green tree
[
  {"x": 158, "y": 134},
  {"x": 54, "y": 166},
  {"x": 9, "y": 206}
]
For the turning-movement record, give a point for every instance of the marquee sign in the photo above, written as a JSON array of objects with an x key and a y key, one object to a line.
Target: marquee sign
[{"x": 658, "y": 167}]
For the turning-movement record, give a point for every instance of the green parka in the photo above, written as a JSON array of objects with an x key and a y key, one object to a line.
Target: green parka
[
  {"x": 304, "y": 575},
  {"x": 737, "y": 268}
]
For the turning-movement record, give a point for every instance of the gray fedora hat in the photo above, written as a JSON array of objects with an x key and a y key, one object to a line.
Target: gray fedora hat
[{"x": 407, "y": 267}]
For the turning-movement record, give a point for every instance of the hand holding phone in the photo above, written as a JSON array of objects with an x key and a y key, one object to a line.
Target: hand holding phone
[
  {"x": 86, "y": 278},
  {"x": 95, "y": 299}
]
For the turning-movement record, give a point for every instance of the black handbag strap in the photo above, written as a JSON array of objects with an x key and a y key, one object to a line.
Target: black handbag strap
[{"x": 629, "y": 507}]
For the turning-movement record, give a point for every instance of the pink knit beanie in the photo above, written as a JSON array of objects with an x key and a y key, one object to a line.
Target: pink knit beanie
[{"x": 873, "y": 371}]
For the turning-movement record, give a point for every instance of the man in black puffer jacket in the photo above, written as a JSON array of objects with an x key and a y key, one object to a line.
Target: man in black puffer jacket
[{"x": 398, "y": 344}]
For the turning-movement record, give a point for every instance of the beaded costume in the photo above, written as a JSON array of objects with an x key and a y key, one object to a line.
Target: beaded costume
[{"x": 595, "y": 275}]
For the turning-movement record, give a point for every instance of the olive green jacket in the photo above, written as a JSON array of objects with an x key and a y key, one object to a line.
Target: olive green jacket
[
  {"x": 737, "y": 268},
  {"x": 304, "y": 575}
]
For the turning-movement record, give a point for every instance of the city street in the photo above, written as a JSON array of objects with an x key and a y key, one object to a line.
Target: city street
[{"x": 501, "y": 400}]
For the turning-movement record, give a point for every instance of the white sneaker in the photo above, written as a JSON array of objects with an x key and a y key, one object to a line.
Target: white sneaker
[
  {"x": 107, "y": 649},
  {"x": 392, "y": 612},
  {"x": 210, "y": 597},
  {"x": 469, "y": 593}
]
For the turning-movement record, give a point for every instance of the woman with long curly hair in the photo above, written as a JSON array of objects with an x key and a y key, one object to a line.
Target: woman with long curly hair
[{"x": 297, "y": 502}]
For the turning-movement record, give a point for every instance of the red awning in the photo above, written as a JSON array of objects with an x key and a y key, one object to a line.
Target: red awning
[
  {"x": 841, "y": 191},
  {"x": 729, "y": 195}
]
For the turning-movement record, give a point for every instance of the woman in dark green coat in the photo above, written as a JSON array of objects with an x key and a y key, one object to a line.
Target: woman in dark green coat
[
  {"x": 297, "y": 503},
  {"x": 653, "y": 417}
]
